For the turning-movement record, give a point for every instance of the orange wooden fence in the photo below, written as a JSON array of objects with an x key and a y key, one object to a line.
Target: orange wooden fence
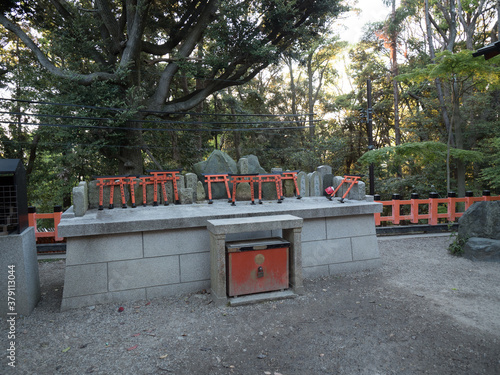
[
  {"x": 33, "y": 216},
  {"x": 431, "y": 209}
]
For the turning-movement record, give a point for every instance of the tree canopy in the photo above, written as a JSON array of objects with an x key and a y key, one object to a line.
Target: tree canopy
[{"x": 159, "y": 57}]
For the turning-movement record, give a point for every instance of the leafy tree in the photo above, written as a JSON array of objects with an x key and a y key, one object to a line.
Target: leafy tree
[{"x": 157, "y": 58}]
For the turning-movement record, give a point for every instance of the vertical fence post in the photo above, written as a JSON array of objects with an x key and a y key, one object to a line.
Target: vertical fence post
[
  {"x": 376, "y": 198},
  {"x": 395, "y": 208},
  {"x": 414, "y": 208},
  {"x": 32, "y": 217},
  {"x": 451, "y": 206},
  {"x": 57, "y": 220},
  {"x": 433, "y": 208},
  {"x": 486, "y": 195},
  {"x": 469, "y": 199}
]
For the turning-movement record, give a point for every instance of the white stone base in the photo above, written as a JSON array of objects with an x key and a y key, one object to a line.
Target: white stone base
[{"x": 142, "y": 253}]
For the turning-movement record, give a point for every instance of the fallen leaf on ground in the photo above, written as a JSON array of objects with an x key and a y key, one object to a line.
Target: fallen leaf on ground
[
  {"x": 132, "y": 347},
  {"x": 65, "y": 350},
  {"x": 164, "y": 356}
]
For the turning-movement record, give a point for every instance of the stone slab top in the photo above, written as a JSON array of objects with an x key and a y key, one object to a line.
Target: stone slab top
[
  {"x": 253, "y": 224},
  {"x": 140, "y": 219}
]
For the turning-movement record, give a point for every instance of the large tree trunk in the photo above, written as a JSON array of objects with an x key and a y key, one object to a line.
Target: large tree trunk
[
  {"x": 130, "y": 158},
  {"x": 439, "y": 89},
  {"x": 457, "y": 122}
]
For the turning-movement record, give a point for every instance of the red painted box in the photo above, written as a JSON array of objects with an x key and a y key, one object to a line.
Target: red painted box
[{"x": 256, "y": 266}]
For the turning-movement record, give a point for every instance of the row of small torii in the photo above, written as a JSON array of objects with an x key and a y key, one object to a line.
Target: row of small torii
[{"x": 156, "y": 178}]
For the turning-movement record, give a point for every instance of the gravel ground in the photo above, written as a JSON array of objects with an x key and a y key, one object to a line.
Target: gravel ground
[{"x": 423, "y": 312}]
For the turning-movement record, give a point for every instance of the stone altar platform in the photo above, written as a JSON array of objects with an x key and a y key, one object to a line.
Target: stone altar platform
[{"x": 146, "y": 252}]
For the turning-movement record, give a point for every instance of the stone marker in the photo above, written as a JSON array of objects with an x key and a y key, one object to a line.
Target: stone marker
[
  {"x": 315, "y": 184},
  {"x": 186, "y": 195},
  {"x": 303, "y": 184},
  {"x": 243, "y": 166},
  {"x": 200, "y": 192},
  {"x": 80, "y": 199},
  {"x": 191, "y": 181}
]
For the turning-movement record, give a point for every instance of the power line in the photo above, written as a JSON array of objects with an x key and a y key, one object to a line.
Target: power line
[
  {"x": 148, "y": 121},
  {"x": 152, "y": 129},
  {"x": 72, "y": 145},
  {"x": 158, "y": 112}
]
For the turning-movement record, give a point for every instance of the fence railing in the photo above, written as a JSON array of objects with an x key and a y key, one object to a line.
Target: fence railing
[
  {"x": 44, "y": 231},
  {"x": 431, "y": 209}
]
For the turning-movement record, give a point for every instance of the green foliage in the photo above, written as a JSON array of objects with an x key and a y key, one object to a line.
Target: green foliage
[
  {"x": 423, "y": 165},
  {"x": 424, "y": 153},
  {"x": 457, "y": 246},
  {"x": 491, "y": 174},
  {"x": 460, "y": 65}
]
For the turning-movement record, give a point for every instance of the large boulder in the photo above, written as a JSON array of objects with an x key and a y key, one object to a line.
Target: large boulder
[
  {"x": 217, "y": 163},
  {"x": 480, "y": 226},
  {"x": 484, "y": 249},
  {"x": 254, "y": 164},
  {"x": 482, "y": 219}
]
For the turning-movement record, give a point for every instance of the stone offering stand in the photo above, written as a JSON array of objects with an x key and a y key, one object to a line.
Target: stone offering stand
[{"x": 117, "y": 255}]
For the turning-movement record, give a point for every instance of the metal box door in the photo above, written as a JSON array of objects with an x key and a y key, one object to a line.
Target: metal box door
[{"x": 257, "y": 266}]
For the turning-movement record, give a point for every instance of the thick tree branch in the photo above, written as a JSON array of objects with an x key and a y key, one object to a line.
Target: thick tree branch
[
  {"x": 439, "y": 30},
  {"x": 184, "y": 51},
  {"x": 63, "y": 11},
  {"x": 84, "y": 79},
  {"x": 136, "y": 20},
  {"x": 110, "y": 23}
]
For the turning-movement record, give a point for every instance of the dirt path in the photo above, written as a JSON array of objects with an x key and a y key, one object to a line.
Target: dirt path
[{"x": 422, "y": 312}]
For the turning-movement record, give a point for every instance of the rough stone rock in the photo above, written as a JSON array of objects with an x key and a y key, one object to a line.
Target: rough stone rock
[
  {"x": 191, "y": 181},
  {"x": 254, "y": 165},
  {"x": 217, "y": 163},
  {"x": 200, "y": 192},
  {"x": 186, "y": 195},
  {"x": 243, "y": 166},
  {"x": 482, "y": 219},
  {"x": 482, "y": 249},
  {"x": 243, "y": 192}
]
